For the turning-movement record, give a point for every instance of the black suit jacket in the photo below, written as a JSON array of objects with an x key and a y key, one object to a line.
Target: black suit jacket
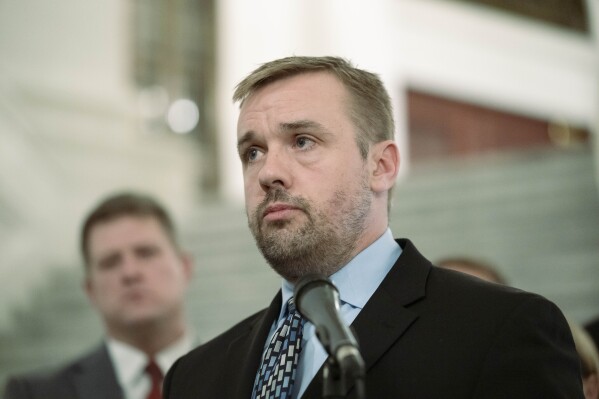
[
  {"x": 90, "y": 377},
  {"x": 426, "y": 333}
]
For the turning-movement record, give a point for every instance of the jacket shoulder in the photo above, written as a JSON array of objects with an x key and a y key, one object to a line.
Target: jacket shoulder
[
  {"x": 42, "y": 383},
  {"x": 59, "y": 381}
]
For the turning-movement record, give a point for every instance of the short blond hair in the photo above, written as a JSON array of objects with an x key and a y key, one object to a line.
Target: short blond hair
[{"x": 370, "y": 106}]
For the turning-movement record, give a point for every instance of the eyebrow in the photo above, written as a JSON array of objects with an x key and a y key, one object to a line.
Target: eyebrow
[
  {"x": 301, "y": 124},
  {"x": 249, "y": 136}
]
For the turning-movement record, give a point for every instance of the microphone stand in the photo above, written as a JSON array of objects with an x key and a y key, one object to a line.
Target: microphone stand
[{"x": 339, "y": 377}]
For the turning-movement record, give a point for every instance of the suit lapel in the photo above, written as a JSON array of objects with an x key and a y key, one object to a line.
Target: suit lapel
[
  {"x": 244, "y": 353},
  {"x": 94, "y": 377},
  {"x": 385, "y": 318}
]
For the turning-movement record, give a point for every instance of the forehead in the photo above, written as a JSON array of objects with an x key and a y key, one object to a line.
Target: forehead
[
  {"x": 124, "y": 229},
  {"x": 310, "y": 95}
]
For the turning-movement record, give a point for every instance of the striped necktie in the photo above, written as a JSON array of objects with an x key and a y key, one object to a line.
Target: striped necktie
[{"x": 276, "y": 374}]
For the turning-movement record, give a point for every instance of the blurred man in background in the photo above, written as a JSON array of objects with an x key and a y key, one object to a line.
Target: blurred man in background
[
  {"x": 473, "y": 267},
  {"x": 136, "y": 276}
]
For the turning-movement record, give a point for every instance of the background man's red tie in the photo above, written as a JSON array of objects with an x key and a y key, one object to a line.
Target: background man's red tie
[{"x": 156, "y": 376}]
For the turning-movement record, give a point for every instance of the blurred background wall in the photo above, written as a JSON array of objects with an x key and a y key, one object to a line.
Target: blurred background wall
[{"x": 497, "y": 110}]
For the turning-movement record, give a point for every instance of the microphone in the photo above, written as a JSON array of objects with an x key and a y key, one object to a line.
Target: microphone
[{"x": 317, "y": 299}]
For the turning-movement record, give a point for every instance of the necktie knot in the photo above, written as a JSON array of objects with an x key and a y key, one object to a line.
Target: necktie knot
[
  {"x": 153, "y": 370},
  {"x": 291, "y": 306}
]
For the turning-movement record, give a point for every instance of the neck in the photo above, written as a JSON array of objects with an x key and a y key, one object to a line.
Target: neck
[
  {"x": 150, "y": 338},
  {"x": 375, "y": 230}
]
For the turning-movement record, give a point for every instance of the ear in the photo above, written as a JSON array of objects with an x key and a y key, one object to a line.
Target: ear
[
  {"x": 88, "y": 287},
  {"x": 187, "y": 265},
  {"x": 384, "y": 158}
]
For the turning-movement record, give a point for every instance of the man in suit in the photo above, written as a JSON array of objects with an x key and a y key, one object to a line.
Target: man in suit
[
  {"x": 587, "y": 352},
  {"x": 136, "y": 276},
  {"x": 315, "y": 138}
]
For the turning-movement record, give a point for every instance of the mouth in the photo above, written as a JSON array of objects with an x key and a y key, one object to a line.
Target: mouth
[
  {"x": 135, "y": 294},
  {"x": 278, "y": 211}
]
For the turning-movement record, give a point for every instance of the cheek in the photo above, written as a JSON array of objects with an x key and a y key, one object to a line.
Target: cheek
[
  {"x": 323, "y": 183},
  {"x": 168, "y": 274},
  {"x": 170, "y": 288},
  {"x": 175, "y": 277},
  {"x": 253, "y": 195},
  {"x": 250, "y": 175},
  {"x": 346, "y": 185},
  {"x": 102, "y": 293},
  {"x": 108, "y": 291},
  {"x": 101, "y": 283}
]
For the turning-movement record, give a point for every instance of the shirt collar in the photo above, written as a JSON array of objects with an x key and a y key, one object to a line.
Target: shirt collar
[
  {"x": 358, "y": 280},
  {"x": 166, "y": 357},
  {"x": 129, "y": 362}
]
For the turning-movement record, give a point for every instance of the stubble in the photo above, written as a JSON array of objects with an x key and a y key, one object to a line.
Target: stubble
[{"x": 319, "y": 241}]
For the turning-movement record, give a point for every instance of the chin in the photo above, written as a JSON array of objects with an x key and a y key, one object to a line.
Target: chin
[{"x": 140, "y": 318}]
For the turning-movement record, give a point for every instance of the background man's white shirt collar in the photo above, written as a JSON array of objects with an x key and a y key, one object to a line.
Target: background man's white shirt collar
[{"x": 129, "y": 364}]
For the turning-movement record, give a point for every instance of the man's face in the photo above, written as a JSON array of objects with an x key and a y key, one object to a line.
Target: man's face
[
  {"x": 307, "y": 188},
  {"x": 136, "y": 277}
]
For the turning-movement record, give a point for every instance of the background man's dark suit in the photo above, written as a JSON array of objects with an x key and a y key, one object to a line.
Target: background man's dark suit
[
  {"x": 425, "y": 333},
  {"x": 90, "y": 377}
]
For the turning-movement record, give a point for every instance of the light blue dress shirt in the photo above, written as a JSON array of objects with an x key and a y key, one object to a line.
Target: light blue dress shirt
[{"x": 356, "y": 282}]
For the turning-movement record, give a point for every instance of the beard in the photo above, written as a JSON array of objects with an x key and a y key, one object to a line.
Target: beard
[{"x": 322, "y": 241}]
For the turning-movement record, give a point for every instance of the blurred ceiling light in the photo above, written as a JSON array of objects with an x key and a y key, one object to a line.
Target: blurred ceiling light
[
  {"x": 152, "y": 102},
  {"x": 183, "y": 116}
]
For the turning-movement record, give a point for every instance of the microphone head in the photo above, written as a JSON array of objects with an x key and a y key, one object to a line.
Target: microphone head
[
  {"x": 317, "y": 300},
  {"x": 309, "y": 281}
]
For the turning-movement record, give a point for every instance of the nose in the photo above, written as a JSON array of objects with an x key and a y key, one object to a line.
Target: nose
[
  {"x": 131, "y": 268},
  {"x": 276, "y": 170}
]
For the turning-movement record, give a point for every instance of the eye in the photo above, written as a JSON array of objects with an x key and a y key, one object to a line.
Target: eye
[
  {"x": 109, "y": 262},
  {"x": 252, "y": 155},
  {"x": 303, "y": 142},
  {"x": 147, "y": 251}
]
